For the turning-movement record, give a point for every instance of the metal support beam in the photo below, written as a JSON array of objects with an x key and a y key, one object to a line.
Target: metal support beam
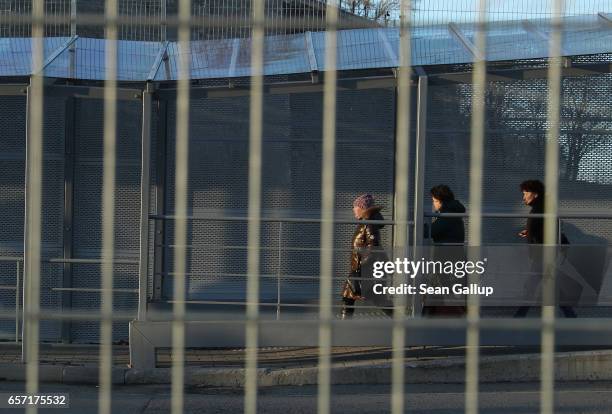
[
  {"x": 93, "y": 92},
  {"x": 605, "y": 17},
  {"x": 69, "y": 158},
  {"x": 13, "y": 90},
  {"x": 166, "y": 60},
  {"x": 32, "y": 250},
  {"x": 419, "y": 178},
  {"x": 26, "y": 277},
  {"x": 235, "y": 51},
  {"x": 283, "y": 88},
  {"x": 145, "y": 180},
  {"x": 471, "y": 48},
  {"x": 312, "y": 57},
  {"x": 163, "y": 52},
  {"x": 57, "y": 52},
  {"x": 160, "y": 199}
]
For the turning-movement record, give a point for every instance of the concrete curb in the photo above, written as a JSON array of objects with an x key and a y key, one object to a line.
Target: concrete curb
[
  {"x": 569, "y": 366},
  {"x": 62, "y": 374}
]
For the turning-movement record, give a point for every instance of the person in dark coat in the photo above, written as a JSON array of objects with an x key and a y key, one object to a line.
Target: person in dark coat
[
  {"x": 365, "y": 249},
  {"x": 445, "y": 231},
  {"x": 533, "y": 196}
]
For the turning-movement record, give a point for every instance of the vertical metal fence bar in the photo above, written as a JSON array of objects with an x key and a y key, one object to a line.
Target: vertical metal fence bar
[
  {"x": 33, "y": 201},
  {"x": 69, "y": 173},
  {"x": 145, "y": 200},
  {"x": 475, "y": 218},
  {"x": 73, "y": 32},
  {"x": 254, "y": 207},
  {"x": 17, "y": 304},
  {"x": 551, "y": 179},
  {"x": 419, "y": 179},
  {"x": 180, "y": 205},
  {"x": 73, "y": 15},
  {"x": 278, "y": 274},
  {"x": 162, "y": 22},
  {"x": 402, "y": 174},
  {"x": 108, "y": 206},
  {"x": 159, "y": 249},
  {"x": 327, "y": 209}
]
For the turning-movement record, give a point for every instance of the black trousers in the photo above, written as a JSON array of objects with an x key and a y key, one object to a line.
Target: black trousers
[{"x": 348, "y": 308}]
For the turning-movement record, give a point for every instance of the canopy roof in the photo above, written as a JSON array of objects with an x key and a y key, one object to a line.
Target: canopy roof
[{"x": 370, "y": 48}]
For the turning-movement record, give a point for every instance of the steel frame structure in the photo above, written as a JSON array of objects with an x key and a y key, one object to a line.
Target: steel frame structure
[{"x": 146, "y": 335}]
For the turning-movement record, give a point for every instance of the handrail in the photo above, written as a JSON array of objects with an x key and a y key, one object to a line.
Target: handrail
[
  {"x": 527, "y": 215},
  {"x": 280, "y": 220},
  {"x": 73, "y": 261},
  {"x": 389, "y": 222}
]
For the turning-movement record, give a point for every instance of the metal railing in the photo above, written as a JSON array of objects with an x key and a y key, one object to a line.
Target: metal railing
[
  {"x": 20, "y": 305},
  {"x": 281, "y": 250},
  {"x": 251, "y": 326}
]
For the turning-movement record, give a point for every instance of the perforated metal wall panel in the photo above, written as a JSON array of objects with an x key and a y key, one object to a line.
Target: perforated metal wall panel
[
  {"x": 12, "y": 175},
  {"x": 87, "y": 210},
  {"x": 12, "y": 182},
  {"x": 218, "y": 183},
  {"x": 515, "y": 147},
  {"x": 514, "y": 151},
  {"x": 52, "y": 212}
]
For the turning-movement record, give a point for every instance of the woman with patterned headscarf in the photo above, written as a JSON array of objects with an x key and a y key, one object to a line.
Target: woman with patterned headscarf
[{"x": 365, "y": 248}]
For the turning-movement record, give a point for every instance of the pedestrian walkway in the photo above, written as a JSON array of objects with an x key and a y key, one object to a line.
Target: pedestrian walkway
[{"x": 273, "y": 357}]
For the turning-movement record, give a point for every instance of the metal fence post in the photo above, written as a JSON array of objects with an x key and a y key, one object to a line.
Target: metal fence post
[
  {"x": 18, "y": 266},
  {"x": 419, "y": 176},
  {"x": 159, "y": 238},
  {"x": 164, "y": 25},
  {"x": 69, "y": 176},
  {"x": 145, "y": 179},
  {"x": 278, "y": 273}
]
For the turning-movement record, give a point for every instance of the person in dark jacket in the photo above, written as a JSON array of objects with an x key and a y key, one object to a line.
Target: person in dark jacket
[
  {"x": 446, "y": 231},
  {"x": 365, "y": 248},
  {"x": 533, "y": 196}
]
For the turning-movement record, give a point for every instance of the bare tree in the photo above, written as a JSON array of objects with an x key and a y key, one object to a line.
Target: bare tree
[
  {"x": 381, "y": 11},
  {"x": 585, "y": 123},
  {"x": 519, "y": 112}
]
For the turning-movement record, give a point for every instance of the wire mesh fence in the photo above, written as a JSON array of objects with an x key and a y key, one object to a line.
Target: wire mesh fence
[
  {"x": 182, "y": 179},
  {"x": 149, "y": 19}
]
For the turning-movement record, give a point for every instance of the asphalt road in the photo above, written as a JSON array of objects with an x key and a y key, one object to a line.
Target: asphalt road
[{"x": 575, "y": 398}]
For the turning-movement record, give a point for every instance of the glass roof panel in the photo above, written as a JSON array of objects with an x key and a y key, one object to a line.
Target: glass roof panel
[
  {"x": 135, "y": 60},
  {"x": 357, "y": 49},
  {"x": 16, "y": 54}
]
